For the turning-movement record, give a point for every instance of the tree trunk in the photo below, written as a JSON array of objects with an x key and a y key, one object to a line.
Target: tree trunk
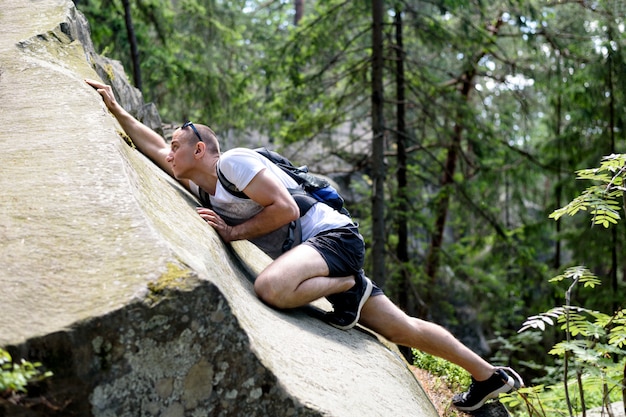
[
  {"x": 401, "y": 177},
  {"x": 404, "y": 299},
  {"x": 559, "y": 187},
  {"x": 132, "y": 39},
  {"x": 378, "y": 147},
  {"x": 299, "y": 9},
  {"x": 441, "y": 211},
  {"x": 446, "y": 184}
]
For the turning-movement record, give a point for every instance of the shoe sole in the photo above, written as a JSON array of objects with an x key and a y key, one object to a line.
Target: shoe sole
[
  {"x": 508, "y": 386},
  {"x": 368, "y": 291}
]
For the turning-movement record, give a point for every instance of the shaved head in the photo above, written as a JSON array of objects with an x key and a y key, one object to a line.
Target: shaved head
[{"x": 206, "y": 134}]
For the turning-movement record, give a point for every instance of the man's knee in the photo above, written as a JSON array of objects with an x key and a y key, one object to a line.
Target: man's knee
[
  {"x": 263, "y": 290},
  {"x": 268, "y": 292}
]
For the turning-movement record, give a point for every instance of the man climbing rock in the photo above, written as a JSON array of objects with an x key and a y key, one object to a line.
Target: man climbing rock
[{"x": 329, "y": 261}]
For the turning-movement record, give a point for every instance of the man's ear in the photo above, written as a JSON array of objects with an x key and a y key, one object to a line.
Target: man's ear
[{"x": 200, "y": 149}]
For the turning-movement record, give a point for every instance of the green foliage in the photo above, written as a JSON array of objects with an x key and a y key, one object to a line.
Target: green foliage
[
  {"x": 603, "y": 200},
  {"x": 593, "y": 346},
  {"x": 196, "y": 56},
  {"x": 14, "y": 377},
  {"x": 551, "y": 400},
  {"x": 455, "y": 376},
  {"x": 594, "y": 341},
  {"x": 316, "y": 75}
]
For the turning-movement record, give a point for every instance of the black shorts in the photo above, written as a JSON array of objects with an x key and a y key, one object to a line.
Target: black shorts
[{"x": 343, "y": 250}]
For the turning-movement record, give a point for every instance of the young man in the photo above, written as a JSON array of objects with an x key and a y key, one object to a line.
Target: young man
[{"x": 329, "y": 261}]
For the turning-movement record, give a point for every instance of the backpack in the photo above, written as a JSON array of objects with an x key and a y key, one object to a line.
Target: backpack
[{"x": 314, "y": 188}]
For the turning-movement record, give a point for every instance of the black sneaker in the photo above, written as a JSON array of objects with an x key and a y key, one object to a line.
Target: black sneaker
[
  {"x": 481, "y": 391},
  {"x": 347, "y": 305}
]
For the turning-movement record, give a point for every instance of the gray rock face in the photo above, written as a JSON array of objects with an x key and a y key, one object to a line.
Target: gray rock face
[
  {"x": 111, "y": 280},
  {"x": 617, "y": 409}
]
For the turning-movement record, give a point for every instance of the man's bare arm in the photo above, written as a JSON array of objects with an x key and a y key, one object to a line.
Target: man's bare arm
[
  {"x": 145, "y": 139},
  {"x": 279, "y": 208}
]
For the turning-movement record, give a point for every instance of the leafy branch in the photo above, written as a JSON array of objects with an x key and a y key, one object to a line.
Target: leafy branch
[
  {"x": 602, "y": 200},
  {"x": 14, "y": 377},
  {"x": 593, "y": 340}
]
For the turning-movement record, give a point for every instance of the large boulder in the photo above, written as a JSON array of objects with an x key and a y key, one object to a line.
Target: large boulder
[{"x": 112, "y": 281}]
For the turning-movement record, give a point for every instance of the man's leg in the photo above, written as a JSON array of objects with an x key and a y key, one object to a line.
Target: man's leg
[
  {"x": 298, "y": 277},
  {"x": 385, "y": 318}
]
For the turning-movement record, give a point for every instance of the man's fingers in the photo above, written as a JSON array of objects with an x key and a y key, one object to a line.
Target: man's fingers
[
  {"x": 104, "y": 90},
  {"x": 94, "y": 84},
  {"x": 207, "y": 214},
  {"x": 215, "y": 221},
  {"x": 204, "y": 211}
]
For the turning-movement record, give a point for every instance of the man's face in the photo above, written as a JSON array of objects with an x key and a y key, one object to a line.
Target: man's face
[{"x": 181, "y": 156}]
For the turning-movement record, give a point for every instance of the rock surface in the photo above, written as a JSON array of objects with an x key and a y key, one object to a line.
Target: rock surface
[
  {"x": 618, "y": 409},
  {"x": 111, "y": 280}
]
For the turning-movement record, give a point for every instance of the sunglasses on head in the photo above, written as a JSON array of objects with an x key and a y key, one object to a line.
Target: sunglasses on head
[{"x": 188, "y": 123}]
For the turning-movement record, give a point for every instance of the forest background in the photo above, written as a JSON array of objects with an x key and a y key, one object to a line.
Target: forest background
[{"x": 460, "y": 126}]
